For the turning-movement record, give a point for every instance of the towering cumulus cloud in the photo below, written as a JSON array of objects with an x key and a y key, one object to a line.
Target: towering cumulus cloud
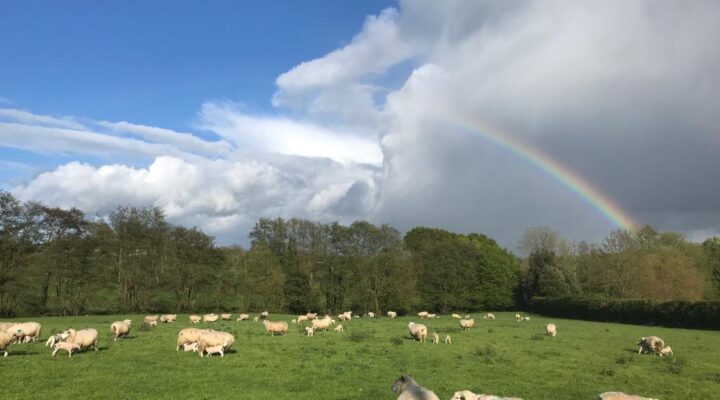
[{"x": 401, "y": 124}]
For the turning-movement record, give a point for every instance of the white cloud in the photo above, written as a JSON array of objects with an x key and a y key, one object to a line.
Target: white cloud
[{"x": 28, "y": 118}]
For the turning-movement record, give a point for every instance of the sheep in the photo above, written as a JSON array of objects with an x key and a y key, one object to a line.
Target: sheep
[
  {"x": 151, "y": 319},
  {"x": 119, "y": 329},
  {"x": 392, "y": 314},
  {"x": 447, "y": 339},
  {"x": 666, "y": 351},
  {"x": 407, "y": 389},
  {"x": 215, "y": 350},
  {"x": 423, "y": 314},
  {"x": 309, "y": 331},
  {"x": 212, "y": 339},
  {"x": 212, "y": 317},
  {"x": 418, "y": 331},
  {"x": 620, "y": 396},
  {"x": 518, "y": 317},
  {"x": 280, "y": 327},
  {"x": 432, "y": 315},
  {"x": 527, "y": 318},
  {"x": 489, "y": 317},
  {"x": 436, "y": 338},
  {"x": 187, "y": 347},
  {"x": 195, "y": 319},
  {"x": 346, "y": 316},
  {"x": 652, "y": 344},
  {"x": 168, "y": 318},
  {"x": 551, "y": 330},
  {"x": 264, "y": 315},
  {"x": 26, "y": 331},
  {"x": 466, "y": 324},
  {"x": 255, "y": 319},
  {"x": 311, "y": 316},
  {"x": 302, "y": 318},
  {"x": 4, "y": 326},
  {"x": 323, "y": 324},
  {"x": 6, "y": 340},
  {"x": 243, "y": 317},
  {"x": 188, "y": 336},
  {"x": 225, "y": 316},
  {"x": 84, "y": 337},
  {"x": 67, "y": 346},
  {"x": 53, "y": 339},
  {"x": 339, "y": 328},
  {"x": 294, "y": 321},
  {"x": 371, "y": 314},
  {"x": 456, "y": 316},
  {"x": 468, "y": 395}
]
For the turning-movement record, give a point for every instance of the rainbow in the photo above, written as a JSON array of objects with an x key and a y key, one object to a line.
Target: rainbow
[{"x": 552, "y": 168}]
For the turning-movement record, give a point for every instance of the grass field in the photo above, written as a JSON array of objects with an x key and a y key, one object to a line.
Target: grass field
[{"x": 502, "y": 357}]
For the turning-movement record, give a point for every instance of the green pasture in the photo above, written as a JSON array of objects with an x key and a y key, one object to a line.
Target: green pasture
[{"x": 501, "y": 357}]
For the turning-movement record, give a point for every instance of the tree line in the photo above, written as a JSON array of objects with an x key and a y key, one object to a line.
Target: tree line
[{"x": 61, "y": 262}]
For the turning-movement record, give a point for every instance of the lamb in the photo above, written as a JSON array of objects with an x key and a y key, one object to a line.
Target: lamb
[
  {"x": 423, "y": 314},
  {"x": 391, "y": 314},
  {"x": 225, "y": 317},
  {"x": 432, "y": 315},
  {"x": 67, "y": 346},
  {"x": 456, "y": 316},
  {"x": 652, "y": 344},
  {"x": 302, "y": 318},
  {"x": 264, "y": 315},
  {"x": 466, "y": 324},
  {"x": 6, "y": 340},
  {"x": 551, "y": 330},
  {"x": 620, "y": 396},
  {"x": 418, "y": 331},
  {"x": 26, "y": 331},
  {"x": 339, "y": 328},
  {"x": 119, "y": 329},
  {"x": 187, "y": 347},
  {"x": 468, "y": 395},
  {"x": 53, "y": 339},
  {"x": 280, "y": 327},
  {"x": 211, "y": 339},
  {"x": 436, "y": 338},
  {"x": 195, "y": 319},
  {"x": 407, "y": 389},
  {"x": 215, "y": 350},
  {"x": 243, "y": 317},
  {"x": 84, "y": 337},
  {"x": 489, "y": 317},
  {"x": 189, "y": 336},
  {"x": 309, "y": 331},
  {"x": 527, "y": 318},
  {"x": 666, "y": 351},
  {"x": 151, "y": 320},
  {"x": 212, "y": 317},
  {"x": 323, "y": 324},
  {"x": 518, "y": 317},
  {"x": 447, "y": 339},
  {"x": 311, "y": 316},
  {"x": 294, "y": 321}
]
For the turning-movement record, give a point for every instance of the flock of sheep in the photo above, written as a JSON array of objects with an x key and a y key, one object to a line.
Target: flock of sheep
[{"x": 209, "y": 342}]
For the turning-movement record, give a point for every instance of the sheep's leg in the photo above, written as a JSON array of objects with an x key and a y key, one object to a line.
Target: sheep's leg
[
  {"x": 6, "y": 353},
  {"x": 55, "y": 352},
  {"x": 69, "y": 353}
]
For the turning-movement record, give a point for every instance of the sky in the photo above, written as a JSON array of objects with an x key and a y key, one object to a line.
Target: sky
[{"x": 472, "y": 116}]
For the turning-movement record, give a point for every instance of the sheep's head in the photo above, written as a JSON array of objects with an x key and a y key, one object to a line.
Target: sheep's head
[
  {"x": 464, "y": 395},
  {"x": 67, "y": 334},
  {"x": 403, "y": 383}
]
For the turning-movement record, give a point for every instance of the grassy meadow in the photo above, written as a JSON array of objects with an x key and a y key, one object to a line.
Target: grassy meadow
[{"x": 502, "y": 357}]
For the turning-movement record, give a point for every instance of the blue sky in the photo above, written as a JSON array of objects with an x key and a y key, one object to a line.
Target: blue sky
[{"x": 227, "y": 111}]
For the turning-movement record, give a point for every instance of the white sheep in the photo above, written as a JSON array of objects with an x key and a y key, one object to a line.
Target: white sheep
[
  {"x": 620, "y": 396},
  {"x": 666, "y": 351},
  {"x": 195, "y": 319},
  {"x": 243, "y": 317},
  {"x": 652, "y": 344},
  {"x": 407, "y": 389},
  {"x": 468, "y": 395},
  {"x": 84, "y": 337},
  {"x": 168, "y": 318},
  {"x": 323, "y": 324},
  {"x": 418, "y": 331},
  {"x": 188, "y": 347},
  {"x": 432, "y": 315},
  {"x": 302, "y": 318},
  {"x": 467, "y": 324},
  {"x": 53, "y": 339},
  {"x": 225, "y": 316},
  {"x": 551, "y": 330},
  {"x": 339, "y": 328},
  {"x": 255, "y": 319},
  {"x": 119, "y": 329},
  {"x": 220, "y": 349},
  {"x": 264, "y": 315},
  {"x": 280, "y": 327},
  {"x": 311, "y": 316},
  {"x": 489, "y": 317},
  {"x": 5, "y": 325},
  {"x": 212, "y": 338},
  {"x": 392, "y": 314},
  {"x": 151, "y": 320},
  {"x": 527, "y": 318},
  {"x": 436, "y": 338},
  {"x": 447, "y": 339},
  {"x": 6, "y": 340},
  {"x": 294, "y": 321},
  {"x": 69, "y": 347},
  {"x": 26, "y": 331},
  {"x": 423, "y": 314},
  {"x": 212, "y": 317},
  {"x": 346, "y": 316},
  {"x": 371, "y": 314},
  {"x": 189, "y": 336},
  {"x": 518, "y": 317},
  {"x": 456, "y": 316},
  {"x": 309, "y": 331}
]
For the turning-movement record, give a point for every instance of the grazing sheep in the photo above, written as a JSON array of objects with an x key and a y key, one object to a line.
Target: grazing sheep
[
  {"x": 302, "y": 318},
  {"x": 323, "y": 324},
  {"x": 311, "y": 316},
  {"x": 489, "y": 317},
  {"x": 466, "y": 324},
  {"x": 620, "y": 396},
  {"x": 119, "y": 329},
  {"x": 188, "y": 336},
  {"x": 195, "y": 319},
  {"x": 187, "y": 347},
  {"x": 5, "y": 325},
  {"x": 53, "y": 339},
  {"x": 243, "y": 317},
  {"x": 339, "y": 328},
  {"x": 346, "y": 316},
  {"x": 407, "y": 389},
  {"x": 264, "y": 315},
  {"x": 151, "y": 319},
  {"x": 26, "y": 331},
  {"x": 69, "y": 347},
  {"x": 423, "y": 314},
  {"x": 84, "y": 337},
  {"x": 309, "y": 331},
  {"x": 666, "y": 351},
  {"x": 456, "y": 316},
  {"x": 225, "y": 316},
  {"x": 436, "y": 338},
  {"x": 392, "y": 314},
  {"x": 168, "y": 318},
  {"x": 6, "y": 340},
  {"x": 212, "y": 338},
  {"x": 212, "y": 317},
  {"x": 371, "y": 314},
  {"x": 215, "y": 350},
  {"x": 280, "y": 327},
  {"x": 447, "y": 339},
  {"x": 518, "y": 317},
  {"x": 418, "y": 331},
  {"x": 551, "y": 330},
  {"x": 652, "y": 344}
]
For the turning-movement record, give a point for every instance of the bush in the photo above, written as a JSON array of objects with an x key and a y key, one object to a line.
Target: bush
[{"x": 685, "y": 314}]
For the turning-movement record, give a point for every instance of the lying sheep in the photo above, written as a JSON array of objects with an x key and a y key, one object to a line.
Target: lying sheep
[
  {"x": 652, "y": 344},
  {"x": 466, "y": 324},
  {"x": 489, "y": 317},
  {"x": 189, "y": 336},
  {"x": 407, "y": 389},
  {"x": 280, "y": 327},
  {"x": 119, "y": 329},
  {"x": 243, "y": 317},
  {"x": 210, "y": 339},
  {"x": 620, "y": 396},
  {"x": 436, "y": 338},
  {"x": 225, "y": 316},
  {"x": 212, "y": 317},
  {"x": 84, "y": 337},
  {"x": 468, "y": 395},
  {"x": 188, "y": 347},
  {"x": 392, "y": 314},
  {"x": 423, "y": 314},
  {"x": 666, "y": 351},
  {"x": 264, "y": 315},
  {"x": 551, "y": 330},
  {"x": 26, "y": 331},
  {"x": 447, "y": 339},
  {"x": 6, "y": 340},
  {"x": 418, "y": 331},
  {"x": 456, "y": 316},
  {"x": 195, "y": 319},
  {"x": 309, "y": 331},
  {"x": 339, "y": 328},
  {"x": 215, "y": 350},
  {"x": 69, "y": 347}
]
